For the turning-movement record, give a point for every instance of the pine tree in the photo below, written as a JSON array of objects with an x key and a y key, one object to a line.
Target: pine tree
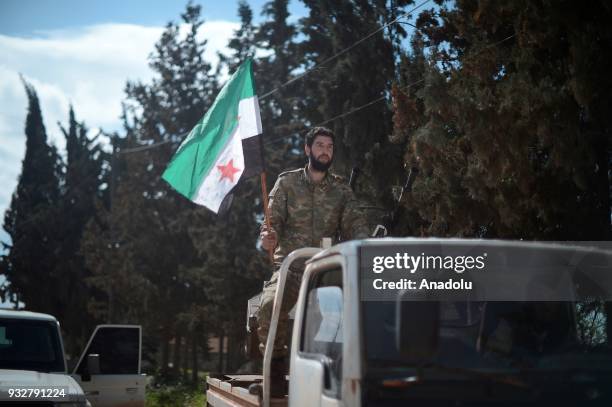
[
  {"x": 511, "y": 134},
  {"x": 242, "y": 44},
  {"x": 155, "y": 254},
  {"x": 32, "y": 220},
  {"x": 82, "y": 185},
  {"x": 281, "y": 118}
]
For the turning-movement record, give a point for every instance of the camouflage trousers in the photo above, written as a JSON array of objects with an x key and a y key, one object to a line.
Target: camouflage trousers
[{"x": 264, "y": 315}]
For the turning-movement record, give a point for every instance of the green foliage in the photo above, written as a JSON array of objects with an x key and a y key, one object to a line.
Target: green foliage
[
  {"x": 592, "y": 323},
  {"x": 50, "y": 208},
  {"x": 511, "y": 138},
  {"x": 242, "y": 44},
  {"x": 139, "y": 248},
  {"x": 179, "y": 396},
  {"x": 161, "y": 260},
  {"x": 83, "y": 177},
  {"x": 280, "y": 113},
  {"x": 32, "y": 219}
]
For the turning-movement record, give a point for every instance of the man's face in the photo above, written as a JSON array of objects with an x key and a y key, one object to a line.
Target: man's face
[{"x": 321, "y": 153}]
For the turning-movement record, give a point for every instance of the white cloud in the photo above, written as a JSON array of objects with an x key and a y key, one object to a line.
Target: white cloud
[{"x": 88, "y": 67}]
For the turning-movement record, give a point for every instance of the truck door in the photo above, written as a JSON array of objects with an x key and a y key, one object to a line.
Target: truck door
[
  {"x": 115, "y": 380},
  {"x": 316, "y": 366}
]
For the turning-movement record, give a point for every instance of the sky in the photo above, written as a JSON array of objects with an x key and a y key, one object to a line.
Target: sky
[{"x": 83, "y": 52}]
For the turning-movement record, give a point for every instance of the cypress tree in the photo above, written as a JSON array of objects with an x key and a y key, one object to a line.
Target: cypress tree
[{"x": 32, "y": 220}]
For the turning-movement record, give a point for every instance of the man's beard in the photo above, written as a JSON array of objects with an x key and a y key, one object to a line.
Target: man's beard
[{"x": 319, "y": 165}]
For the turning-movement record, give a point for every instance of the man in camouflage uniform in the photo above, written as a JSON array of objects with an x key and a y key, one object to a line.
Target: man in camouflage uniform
[{"x": 305, "y": 205}]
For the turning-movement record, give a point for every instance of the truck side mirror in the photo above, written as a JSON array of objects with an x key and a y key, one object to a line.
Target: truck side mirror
[
  {"x": 92, "y": 367},
  {"x": 417, "y": 323}
]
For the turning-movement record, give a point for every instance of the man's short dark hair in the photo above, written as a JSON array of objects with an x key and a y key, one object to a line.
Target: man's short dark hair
[{"x": 318, "y": 131}]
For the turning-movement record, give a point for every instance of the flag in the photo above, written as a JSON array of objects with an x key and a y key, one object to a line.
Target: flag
[{"x": 224, "y": 145}]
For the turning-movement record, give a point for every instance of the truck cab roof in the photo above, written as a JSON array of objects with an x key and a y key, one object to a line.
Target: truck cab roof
[
  {"x": 8, "y": 313},
  {"x": 351, "y": 247}
]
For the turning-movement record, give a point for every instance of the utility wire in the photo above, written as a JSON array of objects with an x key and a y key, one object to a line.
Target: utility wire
[
  {"x": 410, "y": 24},
  {"x": 404, "y": 88},
  {"x": 490, "y": 46},
  {"x": 283, "y": 138},
  {"x": 340, "y": 116},
  {"x": 150, "y": 146},
  {"x": 308, "y": 71},
  {"x": 345, "y": 50}
]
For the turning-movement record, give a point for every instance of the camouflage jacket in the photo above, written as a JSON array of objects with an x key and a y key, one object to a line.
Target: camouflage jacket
[{"x": 303, "y": 212}]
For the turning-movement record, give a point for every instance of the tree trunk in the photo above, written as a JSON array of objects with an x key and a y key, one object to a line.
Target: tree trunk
[
  {"x": 111, "y": 305},
  {"x": 186, "y": 357},
  {"x": 165, "y": 351},
  {"x": 194, "y": 357},
  {"x": 176, "y": 356},
  {"x": 221, "y": 338},
  {"x": 230, "y": 348}
]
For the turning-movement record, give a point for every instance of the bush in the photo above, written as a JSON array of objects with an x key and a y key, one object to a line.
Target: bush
[{"x": 179, "y": 395}]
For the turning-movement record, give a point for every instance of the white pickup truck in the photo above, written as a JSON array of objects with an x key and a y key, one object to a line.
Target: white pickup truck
[
  {"x": 33, "y": 369},
  {"x": 348, "y": 349}
]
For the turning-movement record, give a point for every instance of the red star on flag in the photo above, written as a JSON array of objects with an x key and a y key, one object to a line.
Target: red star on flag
[{"x": 228, "y": 170}]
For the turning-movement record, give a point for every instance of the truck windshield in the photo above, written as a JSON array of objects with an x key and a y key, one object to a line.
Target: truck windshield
[
  {"x": 30, "y": 345},
  {"x": 503, "y": 335}
]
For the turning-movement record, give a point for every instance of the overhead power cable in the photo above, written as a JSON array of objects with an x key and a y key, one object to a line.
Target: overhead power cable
[
  {"x": 302, "y": 75},
  {"x": 345, "y": 50},
  {"x": 148, "y": 147},
  {"x": 381, "y": 98},
  {"x": 340, "y": 116}
]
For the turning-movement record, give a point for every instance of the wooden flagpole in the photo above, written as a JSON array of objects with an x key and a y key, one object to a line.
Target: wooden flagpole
[{"x": 264, "y": 192}]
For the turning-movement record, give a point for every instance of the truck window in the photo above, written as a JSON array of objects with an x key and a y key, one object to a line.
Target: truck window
[
  {"x": 118, "y": 348},
  {"x": 30, "y": 345},
  {"x": 322, "y": 330},
  {"x": 499, "y": 334}
]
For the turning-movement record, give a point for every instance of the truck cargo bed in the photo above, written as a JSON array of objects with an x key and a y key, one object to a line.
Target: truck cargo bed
[{"x": 232, "y": 390}]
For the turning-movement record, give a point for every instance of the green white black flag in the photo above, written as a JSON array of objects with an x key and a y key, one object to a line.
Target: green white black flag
[{"x": 224, "y": 146}]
